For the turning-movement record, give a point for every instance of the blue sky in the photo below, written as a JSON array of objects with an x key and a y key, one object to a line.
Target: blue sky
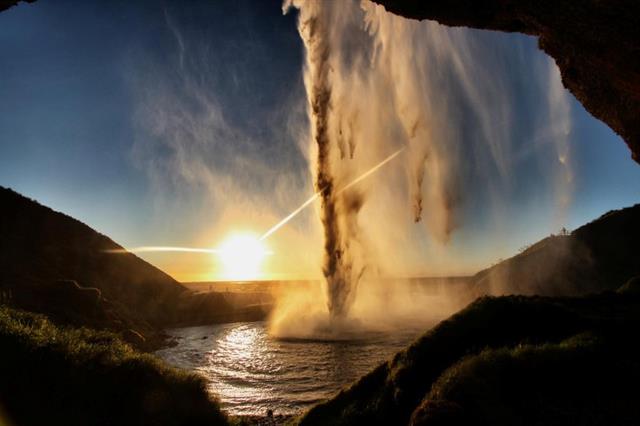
[
  {"x": 77, "y": 79},
  {"x": 66, "y": 107}
]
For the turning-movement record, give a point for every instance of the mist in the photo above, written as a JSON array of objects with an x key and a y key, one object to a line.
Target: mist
[
  {"x": 377, "y": 83},
  {"x": 315, "y": 212},
  {"x": 216, "y": 165},
  {"x": 461, "y": 113}
]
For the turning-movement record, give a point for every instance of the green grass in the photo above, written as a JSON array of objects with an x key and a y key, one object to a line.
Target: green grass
[
  {"x": 489, "y": 332},
  {"x": 78, "y": 376},
  {"x": 587, "y": 380}
]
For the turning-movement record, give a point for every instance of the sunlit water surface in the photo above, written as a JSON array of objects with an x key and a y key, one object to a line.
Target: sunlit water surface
[{"x": 252, "y": 372}]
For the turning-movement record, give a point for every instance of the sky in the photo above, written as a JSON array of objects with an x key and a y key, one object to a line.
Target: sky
[{"x": 165, "y": 123}]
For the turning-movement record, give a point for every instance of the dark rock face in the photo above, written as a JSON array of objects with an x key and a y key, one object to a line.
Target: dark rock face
[
  {"x": 510, "y": 360},
  {"x": 6, "y": 4},
  {"x": 596, "y": 45}
]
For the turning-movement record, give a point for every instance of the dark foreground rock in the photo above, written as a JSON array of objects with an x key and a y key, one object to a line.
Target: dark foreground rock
[
  {"x": 6, "y": 4},
  {"x": 596, "y": 45},
  {"x": 507, "y": 361},
  {"x": 54, "y": 375}
]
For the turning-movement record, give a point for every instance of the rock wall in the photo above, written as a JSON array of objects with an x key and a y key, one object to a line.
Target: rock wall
[
  {"x": 595, "y": 43},
  {"x": 6, "y": 4}
]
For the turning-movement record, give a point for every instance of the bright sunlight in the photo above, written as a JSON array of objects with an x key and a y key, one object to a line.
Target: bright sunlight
[{"x": 241, "y": 256}]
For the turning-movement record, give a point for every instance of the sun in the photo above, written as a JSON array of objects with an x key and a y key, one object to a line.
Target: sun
[{"x": 241, "y": 256}]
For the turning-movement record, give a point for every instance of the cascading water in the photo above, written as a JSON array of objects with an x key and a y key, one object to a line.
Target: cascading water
[{"x": 376, "y": 84}]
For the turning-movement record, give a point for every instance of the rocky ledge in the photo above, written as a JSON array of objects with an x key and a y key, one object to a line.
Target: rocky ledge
[{"x": 595, "y": 43}]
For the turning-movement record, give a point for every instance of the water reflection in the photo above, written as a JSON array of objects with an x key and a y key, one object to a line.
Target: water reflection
[{"x": 251, "y": 372}]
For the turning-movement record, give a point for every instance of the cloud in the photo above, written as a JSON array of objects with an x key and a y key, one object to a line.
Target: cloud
[{"x": 210, "y": 165}]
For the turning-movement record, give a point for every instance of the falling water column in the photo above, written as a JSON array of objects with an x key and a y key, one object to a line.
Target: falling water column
[{"x": 314, "y": 25}]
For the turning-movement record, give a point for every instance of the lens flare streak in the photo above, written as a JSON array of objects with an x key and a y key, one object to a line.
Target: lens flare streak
[
  {"x": 290, "y": 216},
  {"x": 148, "y": 249},
  {"x": 317, "y": 194},
  {"x": 370, "y": 171},
  {"x": 277, "y": 226}
]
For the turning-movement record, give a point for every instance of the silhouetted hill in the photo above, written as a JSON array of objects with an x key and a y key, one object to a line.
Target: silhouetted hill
[
  {"x": 601, "y": 255},
  {"x": 594, "y": 43},
  {"x": 53, "y": 264},
  {"x": 511, "y": 360},
  {"x": 522, "y": 360}
]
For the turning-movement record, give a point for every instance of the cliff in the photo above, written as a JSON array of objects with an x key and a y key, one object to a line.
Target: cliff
[{"x": 596, "y": 45}]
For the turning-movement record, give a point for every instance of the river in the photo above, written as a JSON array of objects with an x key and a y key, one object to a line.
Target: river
[{"x": 251, "y": 371}]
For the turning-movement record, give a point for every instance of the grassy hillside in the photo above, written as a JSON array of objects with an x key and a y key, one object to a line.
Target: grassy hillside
[
  {"x": 41, "y": 250},
  {"x": 512, "y": 360},
  {"x": 589, "y": 379},
  {"x": 71, "y": 376},
  {"x": 53, "y": 264},
  {"x": 598, "y": 256}
]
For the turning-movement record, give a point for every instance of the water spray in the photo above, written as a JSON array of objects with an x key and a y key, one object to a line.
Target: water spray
[
  {"x": 273, "y": 229},
  {"x": 319, "y": 193}
]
